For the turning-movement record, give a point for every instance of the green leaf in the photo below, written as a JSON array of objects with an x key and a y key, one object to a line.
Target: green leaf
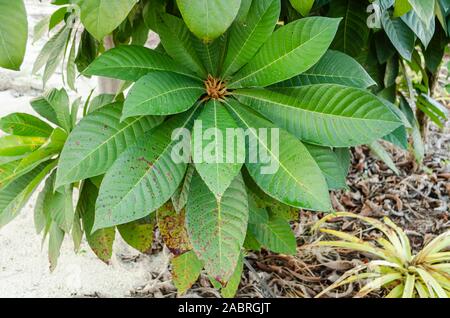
[
  {"x": 101, "y": 17},
  {"x": 179, "y": 198},
  {"x": 211, "y": 53},
  {"x": 424, "y": 9},
  {"x": 217, "y": 228},
  {"x": 399, "y": 34},
  {"x": 297, "y": 179},
  {"x": 178, "y": 42},
  {"x": 423, "y": 32},
  {"x": 353, "y": 33},
  {"x": 302, "y": 6},
  {"x": 138, "y": 234},
  {"x": 40, "y": 218},
  {"x": 172, "y": 228},
  {"x": 291, "y": 50},
  {"x": 217, "y": 159},
  {"x": 54, "y": 244},
  {"x": 59, "y": 206},
  {"x": 334, "y": 68},
  {"x": 54, "y": 106},
  {"x": 247, "y": 36},
  {"x": 384, "y": 156},
  {"x": 11, "y": 146},
  {"x": 208, "y": 19},
  {"x": 229, "y": 291},
  {"x": 324, "y": 114},
  {"x": 13, "y": 33},
  {"x": 16, "y": 194},
  {"x": 130, "y": 63},
  {"x": 276, "y": 235},
  {"x": 329, "y": 163},
  {"x": 398, "y": 137},
  {"x": 56, "y": 54},
  {"x": 101, "y": 241},
  {"x": 98, "y": 140},
  {"x": 99, "y": 101},
  {"x": 401, "y": 7},
  {"x": 186, "y": 269},
  {"x": 144, "y": 177},
  {"x": 418, "y": 146},
  {"x": 162, "y": 94},
  {"x": 22, "y": 124}
]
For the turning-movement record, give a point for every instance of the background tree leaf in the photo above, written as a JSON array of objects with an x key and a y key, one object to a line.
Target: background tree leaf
[{"x": 21, "y": 124}]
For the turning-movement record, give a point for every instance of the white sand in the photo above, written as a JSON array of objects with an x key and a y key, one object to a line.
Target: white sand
[{"x": 23, "y": 263}]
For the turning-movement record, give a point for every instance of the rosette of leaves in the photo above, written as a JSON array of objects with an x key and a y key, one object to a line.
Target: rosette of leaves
[{"x": 255, "y": 75}]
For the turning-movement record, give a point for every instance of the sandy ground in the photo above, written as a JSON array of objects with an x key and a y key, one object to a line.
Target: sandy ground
[{"x": 23, "y": 259}]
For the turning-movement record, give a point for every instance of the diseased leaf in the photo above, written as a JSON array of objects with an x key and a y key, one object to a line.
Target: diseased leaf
[
  {"x": 97, "y": 142},
  {"x": 325, "y": 114},
  {"x": 13, "y": 33},
  {"x": 144, "y": 177},
  {"x": 229, "y": 291},
  {"x": 208, "y": 19},
  {"x": 186, "y": 269},
  {"x": 289, "y": 51},
  {"x": 139, "y": 234},
  {"x": 162, "y": 93},
  {"x": 217, "y": 228},
  {"x": 172, "y": 228}
]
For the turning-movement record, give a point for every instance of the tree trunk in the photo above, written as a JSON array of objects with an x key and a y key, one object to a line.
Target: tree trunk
[{"x": 108, "y": 85}]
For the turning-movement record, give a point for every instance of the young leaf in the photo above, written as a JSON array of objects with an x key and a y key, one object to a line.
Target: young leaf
[
  {"x": 384, "y": 156},
  {"x": 12, "y": 146},
  {"x": 97, "y": 141},
  {"x": 401, "y": 7},
  {"x": 186, "y": 269},
  {"x": 324, "y": 114},
  {"x": 296, "y": 180},
  {"x": 208, "y": 19},
  {"x": 138, "y": 234},
  {"x": 130, "y": 63},
  {"x": 276, "y": 235},
  {"x": 101, "y": 17},
  {"x": 13, "y": 33},
  {"x": 144, "y": 177},
  {"x": 54, "y": 106},
  {"x": 172, "y": 228},
  {"x": 217, "y": 228},
  {"x": 224, "y": 157},
  {"x": 162, "y": 93},
  {"x": 334, "y": 68},
  {"x": 21, "y": 124},
  {"x": 302, "y": 6},
  {"x": 247, "y": 36},
  {"x": 101, "y": 241},
  {"x": 291, "y": 50}
]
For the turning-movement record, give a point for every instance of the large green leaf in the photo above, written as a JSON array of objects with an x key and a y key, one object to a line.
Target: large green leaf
[
  {"x": 298, "y": 180},
  {"x": 423, "y": 31},
  {"x": 16, "y": 194},
  {"x": 130, "y": 63},
  {"x": 424, "y": 9},
  {"x": 186, "y": 269},
  {"x": 208, "y": 19},
  {"x": 101, "y": 241},
  {"x": 144, "y": 177},
  {"x": 353, "y": 33},
  {"x": 325, "y": 114},
  {"x": 290, "y": 50},
  {"x": 329, "y": 163},
  {"x": 217, "y": 228},
  {"x": 178, "y": 42},
  {"x": 334, "y": 68},
  {"x": 247, "y": 36},
  {"x": 98, "y": 140},
  {"x": 217, "y": 159},
  {"x": 162, "y": 93},
  {"x": 276, "y": 235},
  {"x": 101, "y": 17},
  {"x": 21, "y": 124},
  {"x": 400, "y": 35},
  {"x": 13, "y": 33},
  {"x": 54, "y": 106}
]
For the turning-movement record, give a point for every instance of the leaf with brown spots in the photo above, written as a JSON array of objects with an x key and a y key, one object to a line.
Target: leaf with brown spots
[
  {"x": 139, "y": 234},
  {"x": 186, "y": 269},
  {"x": 172, "y": 228}
]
